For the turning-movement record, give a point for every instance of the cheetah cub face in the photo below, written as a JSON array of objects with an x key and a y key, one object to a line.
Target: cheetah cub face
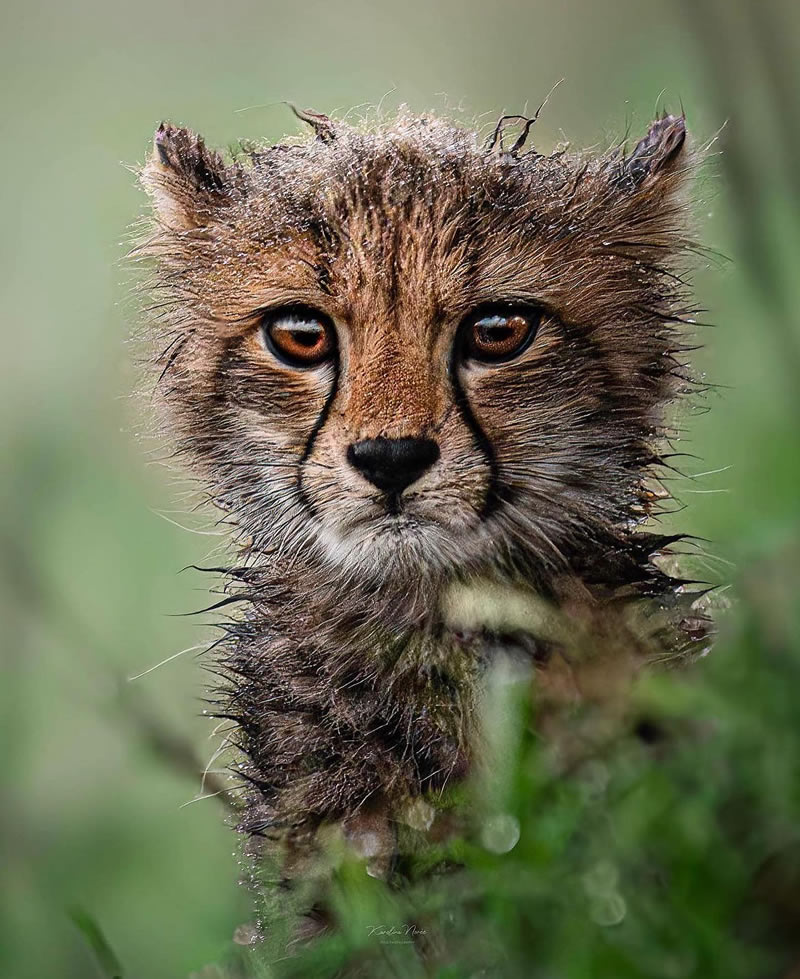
[{"x": 398, "y": 352}]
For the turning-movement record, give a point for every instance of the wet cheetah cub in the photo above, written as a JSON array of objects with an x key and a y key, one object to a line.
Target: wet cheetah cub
[{"x": 415, "y": 369}]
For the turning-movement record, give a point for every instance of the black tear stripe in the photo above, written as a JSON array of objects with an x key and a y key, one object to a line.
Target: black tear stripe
[
  {"x": 222, "y": 394},
  {"x": 496, "y": 493},
  {"x": 312, "y": 438}
]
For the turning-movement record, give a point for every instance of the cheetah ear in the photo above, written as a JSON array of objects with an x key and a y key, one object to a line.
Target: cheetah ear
[
  {"x": 659, "y": 158},
  {"x": 187, "y": 182}
]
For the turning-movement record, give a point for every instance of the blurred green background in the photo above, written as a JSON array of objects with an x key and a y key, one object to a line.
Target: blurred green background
[{"x": 94, "y": 782}]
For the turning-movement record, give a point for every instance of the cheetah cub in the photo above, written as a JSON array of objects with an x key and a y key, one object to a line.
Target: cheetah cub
[{"x": 426, "y": 377}]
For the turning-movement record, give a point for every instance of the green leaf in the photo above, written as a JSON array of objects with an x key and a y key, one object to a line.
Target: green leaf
[{"x": 107, "y": 962}]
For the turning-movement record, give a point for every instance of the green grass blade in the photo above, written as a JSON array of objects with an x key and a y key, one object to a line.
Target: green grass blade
[{"x": 108, "y": 963}]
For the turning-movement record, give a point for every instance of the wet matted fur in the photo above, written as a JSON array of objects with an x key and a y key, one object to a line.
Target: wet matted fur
[{"x": 351, "y": 684}]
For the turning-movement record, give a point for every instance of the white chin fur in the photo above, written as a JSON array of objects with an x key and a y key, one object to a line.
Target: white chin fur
[{"x": 391, "y": 548}]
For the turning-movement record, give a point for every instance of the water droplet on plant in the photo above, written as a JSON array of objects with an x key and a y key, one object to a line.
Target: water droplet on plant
[
  {"x": 608, "y": 910},
  {"x": 500, "y": 833}
]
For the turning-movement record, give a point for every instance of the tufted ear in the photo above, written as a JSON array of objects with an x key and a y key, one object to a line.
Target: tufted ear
[
  {"x": 659, "y": 157},
  {"x": 187, "y": 182}
]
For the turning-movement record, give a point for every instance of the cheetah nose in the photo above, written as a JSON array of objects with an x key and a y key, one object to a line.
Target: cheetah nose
[{"x": 393, "y": 464}]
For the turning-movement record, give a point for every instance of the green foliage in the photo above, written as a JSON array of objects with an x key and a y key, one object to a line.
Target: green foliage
[{"x": 107, "y": 962}]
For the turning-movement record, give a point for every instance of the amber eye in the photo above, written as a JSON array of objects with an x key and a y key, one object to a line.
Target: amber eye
[
  {"x": 500, "y": 334},
  {"x": 299, "y": 336}
]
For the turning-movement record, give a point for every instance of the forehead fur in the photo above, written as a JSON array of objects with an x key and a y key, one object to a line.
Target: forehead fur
[{"x": 418, "y": 200}]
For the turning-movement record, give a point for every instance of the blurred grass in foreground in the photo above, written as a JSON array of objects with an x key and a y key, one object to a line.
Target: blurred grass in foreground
[{"x": 671, "y": 849}]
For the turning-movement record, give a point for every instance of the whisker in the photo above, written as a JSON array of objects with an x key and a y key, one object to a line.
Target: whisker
[{"x": 163, "y": 662}]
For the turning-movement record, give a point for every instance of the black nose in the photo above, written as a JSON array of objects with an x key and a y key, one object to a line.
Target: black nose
[{"x": 392, "y": 464}]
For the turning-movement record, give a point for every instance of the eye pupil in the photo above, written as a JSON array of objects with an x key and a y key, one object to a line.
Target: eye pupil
[
  {"x": 496, "y": 334},
  {"x": 306, "y": 338}
]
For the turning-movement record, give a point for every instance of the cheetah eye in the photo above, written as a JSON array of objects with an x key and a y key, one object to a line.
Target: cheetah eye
[
  {"x": 499, "y": 333},
  {"x": 299, "y": 336}
]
